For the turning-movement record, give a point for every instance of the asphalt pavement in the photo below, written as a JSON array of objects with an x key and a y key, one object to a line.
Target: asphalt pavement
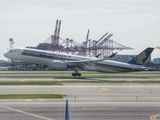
[{"x": 87, "y": 101}]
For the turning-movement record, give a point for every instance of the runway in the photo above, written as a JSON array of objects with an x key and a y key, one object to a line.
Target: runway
[
  {"x": 87, "y": 101},
  {"x": 91, "y": 92},
  {"x": 79, "y": 110}
]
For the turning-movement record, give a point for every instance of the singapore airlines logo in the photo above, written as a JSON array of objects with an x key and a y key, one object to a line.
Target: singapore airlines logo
[{"x": 139, "y": 58}]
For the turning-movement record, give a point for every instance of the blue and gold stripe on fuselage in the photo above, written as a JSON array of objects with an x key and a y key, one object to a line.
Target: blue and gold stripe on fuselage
[
  {"x": 48, "y": 56},
  {"x": 115, "y": 68}
]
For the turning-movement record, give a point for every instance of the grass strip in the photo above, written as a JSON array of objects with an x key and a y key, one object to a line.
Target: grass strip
[
  {"x": 112, "y": 81},
  {"x": 30, "y": 83},
  {"x": 76, "y": 81},
  {"x": 82, "y": 77},
  {"x": 30, "y": 96}
]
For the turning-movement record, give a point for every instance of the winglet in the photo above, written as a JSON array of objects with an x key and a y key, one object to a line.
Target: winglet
[
  {"x": 111, "y": 56},
  {"x": 97, "y": 56},
  {"x": 142, "y": 57},
  {"x": 67, "y": 111}
]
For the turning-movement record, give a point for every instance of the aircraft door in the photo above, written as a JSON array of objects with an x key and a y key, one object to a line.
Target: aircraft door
[{"x": 19, "y": 52}]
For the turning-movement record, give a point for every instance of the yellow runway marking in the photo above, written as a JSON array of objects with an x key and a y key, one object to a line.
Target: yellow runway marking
[
  {"x": 154, "y": 117},
  {"x": 34, "y": 115},
  {"x": 129, "y": 80},
  {"x": 22, "y": 80},
  {"x": 28, "y": 100},
  {"x": 104, "y": 89}
]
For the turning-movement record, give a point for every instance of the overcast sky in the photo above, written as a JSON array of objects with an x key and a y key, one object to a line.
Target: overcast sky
[{"x": 133, "y": 23}]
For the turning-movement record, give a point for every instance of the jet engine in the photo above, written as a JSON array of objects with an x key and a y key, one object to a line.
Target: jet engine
[{"x": 59, "y": 65}]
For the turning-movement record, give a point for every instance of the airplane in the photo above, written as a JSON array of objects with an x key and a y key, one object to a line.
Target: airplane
[{"x": 63, "y": 61}]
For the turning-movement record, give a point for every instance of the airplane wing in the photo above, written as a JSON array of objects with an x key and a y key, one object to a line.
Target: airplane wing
[{"x": 83, "y": 63}]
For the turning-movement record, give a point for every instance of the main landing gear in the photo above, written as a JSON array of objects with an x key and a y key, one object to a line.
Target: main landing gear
[{"x": 76, "y": 73}]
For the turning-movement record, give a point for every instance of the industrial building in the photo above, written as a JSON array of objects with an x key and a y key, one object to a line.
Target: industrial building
[
  {"x": 156, "y": 60},
  {"x": 127, "y": 58}
]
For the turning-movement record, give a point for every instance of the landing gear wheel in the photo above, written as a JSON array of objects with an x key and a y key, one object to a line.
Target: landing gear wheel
[{"x": 76, "y": 74}]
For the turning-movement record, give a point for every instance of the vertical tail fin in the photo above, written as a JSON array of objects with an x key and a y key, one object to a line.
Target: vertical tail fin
[
  {"x": 142, "y": 57},
  {"x": 67, "y": 111}
]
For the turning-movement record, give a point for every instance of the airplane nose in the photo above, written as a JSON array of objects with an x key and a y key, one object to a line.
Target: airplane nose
[{"x": 6, "y": 54}]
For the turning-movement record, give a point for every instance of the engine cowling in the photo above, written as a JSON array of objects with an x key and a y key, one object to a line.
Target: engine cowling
[{"x": 59, "y": 65}]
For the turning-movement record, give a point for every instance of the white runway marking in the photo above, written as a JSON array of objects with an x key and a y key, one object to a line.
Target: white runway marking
[
  {"x": 98, "y": 108},
  {"x": 34, "y": 115}
]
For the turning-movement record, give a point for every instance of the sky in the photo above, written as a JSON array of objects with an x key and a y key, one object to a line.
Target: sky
[{"x": 133, "y": 23}]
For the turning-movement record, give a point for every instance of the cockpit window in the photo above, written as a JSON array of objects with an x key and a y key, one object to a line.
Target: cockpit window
[{"x": 10, "y": 50}]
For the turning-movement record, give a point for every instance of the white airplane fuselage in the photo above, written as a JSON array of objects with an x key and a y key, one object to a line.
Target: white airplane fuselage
[{"x": 48, "y": 58}]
